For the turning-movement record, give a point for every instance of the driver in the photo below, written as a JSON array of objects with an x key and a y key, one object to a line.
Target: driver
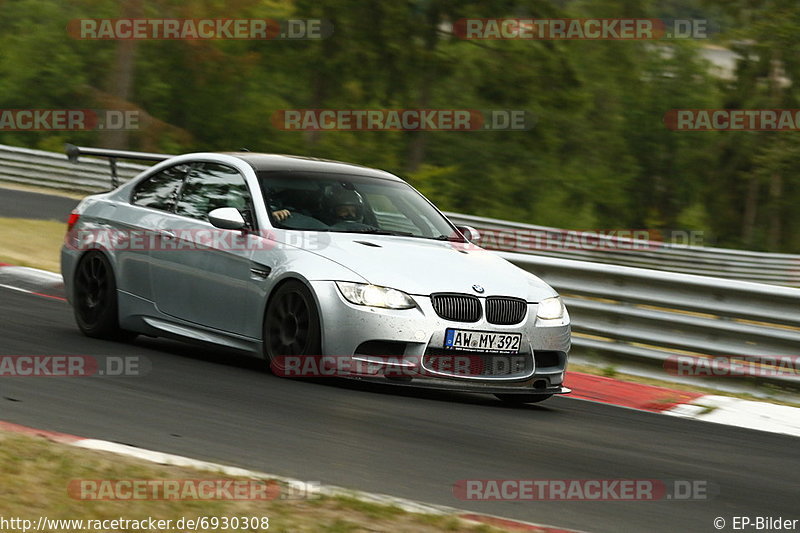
[
  {"x": 345, "y": 205},
  {"x": 283, "y": 204}
]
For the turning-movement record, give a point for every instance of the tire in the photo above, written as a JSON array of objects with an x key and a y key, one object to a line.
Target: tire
[
  {"x": 291, "y": 325},
  {"x": 520, "y": 399},
  {"x": 95, "y": 302}
]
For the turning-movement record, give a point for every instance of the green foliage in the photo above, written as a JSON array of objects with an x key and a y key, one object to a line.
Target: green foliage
[{"x": 599, "y": 155}]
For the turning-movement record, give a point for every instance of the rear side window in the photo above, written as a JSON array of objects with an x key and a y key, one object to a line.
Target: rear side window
[
  {"x": 210, "y": 186},
  {"x": 160, "y": 190}
]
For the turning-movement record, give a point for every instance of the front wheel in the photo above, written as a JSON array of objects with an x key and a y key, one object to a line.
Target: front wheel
[
  {"x": 519, "y": 399},
  {"x": 95, "y": 303},
  {"x": 291, "y": 325}
]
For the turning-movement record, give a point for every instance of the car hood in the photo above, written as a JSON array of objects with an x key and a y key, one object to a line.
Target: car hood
[{"x": 424, "y": 266}]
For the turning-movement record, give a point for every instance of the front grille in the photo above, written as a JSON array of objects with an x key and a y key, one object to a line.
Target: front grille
[
  {"x": 476, "y": 364},
  {"x": 457, "y": 307},
  {"x": 505, "y": 311}
]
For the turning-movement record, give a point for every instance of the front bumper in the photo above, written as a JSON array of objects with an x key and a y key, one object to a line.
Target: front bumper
[
  {"x": 474, "y": 387},
  {"x": 395, "y": 344}
]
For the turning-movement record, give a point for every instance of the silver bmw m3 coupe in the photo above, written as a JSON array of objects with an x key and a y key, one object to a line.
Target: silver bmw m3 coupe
[{"x": 320, "y": 267}]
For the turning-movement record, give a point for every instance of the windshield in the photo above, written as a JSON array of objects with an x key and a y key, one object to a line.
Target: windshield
[{"x": 318, "y": 201}]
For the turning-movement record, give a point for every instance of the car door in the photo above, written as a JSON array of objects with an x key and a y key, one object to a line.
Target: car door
[
  {"x": 152, "y": 199},
  {"x": 200, "y": 273}
]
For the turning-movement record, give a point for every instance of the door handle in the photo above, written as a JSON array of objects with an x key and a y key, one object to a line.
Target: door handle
[{"x": 168, "y": 235}]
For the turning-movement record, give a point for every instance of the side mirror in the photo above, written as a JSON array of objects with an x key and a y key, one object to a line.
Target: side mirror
[
  {"x": 226, "y": 218},
  {"x": 471, "y": 234}
]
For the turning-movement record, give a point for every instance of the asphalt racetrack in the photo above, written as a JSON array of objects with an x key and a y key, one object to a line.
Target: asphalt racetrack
[
  {"x": 222, "y": 406},
  {"x": 218, "y": 405}
]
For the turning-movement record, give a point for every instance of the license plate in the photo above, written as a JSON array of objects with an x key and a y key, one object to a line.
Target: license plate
[{"x": 482, "y": 341}]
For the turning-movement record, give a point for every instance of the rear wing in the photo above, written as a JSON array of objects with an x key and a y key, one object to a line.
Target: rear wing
[{"x": 74, "y": 152}]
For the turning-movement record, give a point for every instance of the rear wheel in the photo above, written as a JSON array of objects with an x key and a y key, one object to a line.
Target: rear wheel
[
  {"x": 291, "y": 325},
  {"x": 95, "y": 303},
  {"x": 519, "y": 399}
]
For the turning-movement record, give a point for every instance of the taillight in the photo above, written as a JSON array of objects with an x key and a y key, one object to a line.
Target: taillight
[{"x": 72, "y": 220}]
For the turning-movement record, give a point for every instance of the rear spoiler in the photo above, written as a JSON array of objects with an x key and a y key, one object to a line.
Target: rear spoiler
[{"x": 74, "y": 152}]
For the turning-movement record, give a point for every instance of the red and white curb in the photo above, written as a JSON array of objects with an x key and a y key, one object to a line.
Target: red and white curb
[
  {"x": 726, "y": 410},
  {"x": 32, "y": 281},
  {"x": 741, "y": 413},
  {"x": 168, "y": 459}
]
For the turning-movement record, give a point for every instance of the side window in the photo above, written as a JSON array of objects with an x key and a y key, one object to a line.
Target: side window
[
  {"x": 160, "y": 190},
  {"x": 210, "y": 186}
]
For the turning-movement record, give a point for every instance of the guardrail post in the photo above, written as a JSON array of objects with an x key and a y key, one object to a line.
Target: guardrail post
[{"x": 114, "y": 180}]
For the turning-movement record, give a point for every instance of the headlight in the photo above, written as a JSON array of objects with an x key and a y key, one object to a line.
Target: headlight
[
  {"x": 374, "y": 296},
  {"x": 550, "y": 308}
]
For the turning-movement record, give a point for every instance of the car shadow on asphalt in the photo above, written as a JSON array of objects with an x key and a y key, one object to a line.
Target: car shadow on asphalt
[{"x": 235, "y": 358}]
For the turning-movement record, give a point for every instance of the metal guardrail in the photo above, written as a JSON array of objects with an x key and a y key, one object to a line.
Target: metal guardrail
[
  {"x": 53, "y": 170},
  {"x": 620, "y": 310},
  {"x": 653, "y": 317},
  {"x": 759, "y": 267}
]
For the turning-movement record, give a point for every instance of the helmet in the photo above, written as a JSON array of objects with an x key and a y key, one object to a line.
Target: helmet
[{"x": 345, "y": 204}]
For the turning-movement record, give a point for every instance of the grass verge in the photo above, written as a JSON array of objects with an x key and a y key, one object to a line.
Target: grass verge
[
  {"x": 35, "y": 474},
  {"x": 31, "y": 243}
]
